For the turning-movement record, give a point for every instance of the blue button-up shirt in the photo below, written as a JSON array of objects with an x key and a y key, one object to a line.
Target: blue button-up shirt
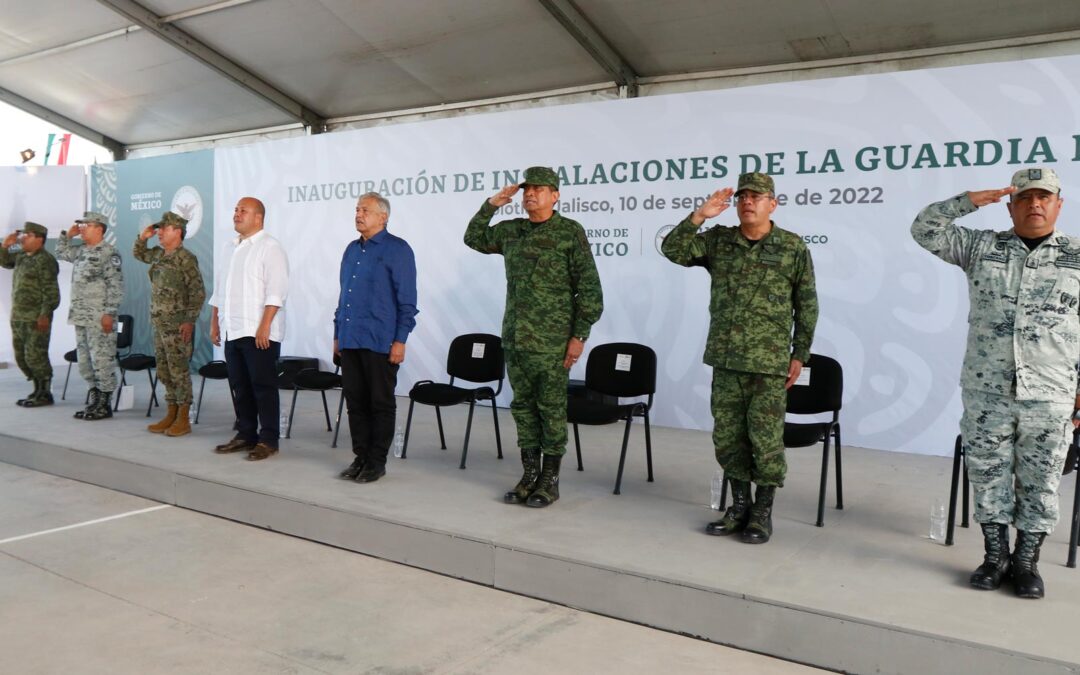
[{"x": 377, "y": 303}]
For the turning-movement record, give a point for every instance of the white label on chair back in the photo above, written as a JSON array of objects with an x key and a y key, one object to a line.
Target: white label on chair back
[
  {"x": 803, "y": 380},
  {"x": 478, "y": 350},
  {"x": 622, "y": 362}
]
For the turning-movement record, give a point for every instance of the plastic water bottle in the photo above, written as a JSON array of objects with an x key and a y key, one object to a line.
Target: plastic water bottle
[
  {"x": 716, "y": 489},
  {"x": 399, "y": 441},
  {"x": 283, "y": 423},
  {"x": 937, "y": 520},
  {"x": 191, "y": 414}
]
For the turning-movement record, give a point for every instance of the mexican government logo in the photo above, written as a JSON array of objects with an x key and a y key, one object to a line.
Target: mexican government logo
[{"x": 188, "y": 204}]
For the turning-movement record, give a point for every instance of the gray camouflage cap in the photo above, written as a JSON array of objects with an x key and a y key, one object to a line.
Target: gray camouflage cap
[
  {"x": 1030, "y": 179},
  {"x": 92, "y": 217},
  {"x": 541, "y": 175},
  {"x": 756, "y": 182}
]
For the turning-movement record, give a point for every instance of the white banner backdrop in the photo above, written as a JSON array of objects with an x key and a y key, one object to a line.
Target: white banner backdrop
[
  {"x": 53, "y": 196},
  {"x": 854, "y": 159}
]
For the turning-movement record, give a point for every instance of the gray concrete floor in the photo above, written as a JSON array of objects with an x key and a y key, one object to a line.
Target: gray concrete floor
[{"x": 171, "y": 590}]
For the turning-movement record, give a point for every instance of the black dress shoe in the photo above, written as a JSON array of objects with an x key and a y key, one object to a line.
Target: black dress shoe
[
  {"x": 370, "y": 474},
  {"x": 353, "y": 470}
]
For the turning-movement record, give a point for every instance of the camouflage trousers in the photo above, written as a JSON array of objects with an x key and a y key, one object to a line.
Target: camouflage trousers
[
  {"x": 1015, "y": 453},
  {"x": 97, "y": 356},
  {"x": 173, "y": 362},
  {"x": 539, "y": 406},
  {"x": 31, "y": 349},
  {"x": 748, "y": 425}
]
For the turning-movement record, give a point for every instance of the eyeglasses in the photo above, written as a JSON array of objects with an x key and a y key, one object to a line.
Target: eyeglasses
[{"x": 749, "y": 196}]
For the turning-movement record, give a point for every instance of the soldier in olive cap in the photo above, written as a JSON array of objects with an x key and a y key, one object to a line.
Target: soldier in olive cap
[
  {"x": 97, "y": 287},
  {"x": 1019, "y": 379},
  {"x": 553, "y": 297},
  {"x": 35, "y": 294},
  {"x": 763, "y": 313},
  {"x": 176, "y": 296}
]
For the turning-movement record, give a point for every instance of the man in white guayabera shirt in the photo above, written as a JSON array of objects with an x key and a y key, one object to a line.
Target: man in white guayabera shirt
[{"x": 246, "y": 310}]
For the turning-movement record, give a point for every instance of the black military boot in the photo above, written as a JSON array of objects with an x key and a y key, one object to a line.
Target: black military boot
[
  {"x": 759, "y": 527},
  {"x": 530, "y": 462},
  {"x": 1025, "y": 564},
  {"x": 91, "y": 403},
  {"x": 737, "y": 515},
  {"x": 989, "y": 575},
  {"x": 547, "y": 488},
  {"x": 37, "y": 390},
  {"x": 43, "y": 396},
  {"x": 103, "y": 409}
]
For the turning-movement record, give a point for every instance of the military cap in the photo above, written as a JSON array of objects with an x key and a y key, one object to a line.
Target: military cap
[
  {"x": 92, "y": 217},
  {"x": 35, "y": 228},
  {"x": 756, "y": 182},
  {"x": 1030, "y": 179},
  {"x": 541, "y": 175},
  {"x": 170, "y": 219}
]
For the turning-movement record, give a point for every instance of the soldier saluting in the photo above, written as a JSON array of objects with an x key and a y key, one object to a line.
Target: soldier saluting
[
  {"x": 97, "y": 286},
  {"x": 35, "y": 294}
]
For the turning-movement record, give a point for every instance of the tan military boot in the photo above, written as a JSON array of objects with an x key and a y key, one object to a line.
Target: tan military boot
[
  {"x": 166, "y": 422},
  {"x": 182, "y": 424}
]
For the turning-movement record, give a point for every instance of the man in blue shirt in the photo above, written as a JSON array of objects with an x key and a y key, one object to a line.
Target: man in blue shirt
[{"x": 374, "y": 316}]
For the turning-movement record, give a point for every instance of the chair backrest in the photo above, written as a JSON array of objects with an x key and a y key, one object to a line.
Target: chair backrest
[
  {"x": 124, "y": 331},
  {"x": 825, "y": 391},
  {"x": 476, "y": 357},
  {"x": 621, "y": 369}
]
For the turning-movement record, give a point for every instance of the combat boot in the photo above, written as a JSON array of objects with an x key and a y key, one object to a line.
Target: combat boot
[
  {"x": 182, "y": 424},
  {"x": 989, "y": 575},
  {"x": 737, "y": 515},
  {"x": 759, "y": 527},
  {"x": 547, "y": 487},
  {"x": 102, "y": 410},
  {"x": 165, "y": 422},
  {"x": 45, "y": 396},
  {"x": 23, "y": 401},
  {"x": 530, "y": 462},
  {"x": 91, "y": 403},
  {"x": 1025, "y": 564}
]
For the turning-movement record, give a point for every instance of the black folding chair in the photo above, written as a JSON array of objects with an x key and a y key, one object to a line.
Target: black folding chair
[
  {"x": 477, "y": 358},
  {"x": 213, "y": 370},
  {"x": 313, "y": 379},
  {"x": 823, "y": 394},
  {"x": 134, "y": 362},
  {"x": 621, "y": 370}
]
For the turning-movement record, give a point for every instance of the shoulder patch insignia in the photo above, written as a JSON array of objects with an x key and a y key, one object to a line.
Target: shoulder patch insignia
[{"x": 115, "y": 260}]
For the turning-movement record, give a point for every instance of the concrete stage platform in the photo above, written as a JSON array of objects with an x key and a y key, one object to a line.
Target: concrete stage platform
[{"x": 867, "y": 593}]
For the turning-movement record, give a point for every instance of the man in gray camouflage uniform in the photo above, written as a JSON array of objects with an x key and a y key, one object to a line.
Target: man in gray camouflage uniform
[
  {"x": 97, "y": 286},
  {"x": 1019, "y": 378}
]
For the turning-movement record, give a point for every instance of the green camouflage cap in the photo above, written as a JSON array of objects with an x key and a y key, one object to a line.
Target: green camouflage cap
[
  {"x": 170, "y": 219},
  {"x": 35, "y": 228},
  {"x": 756, "y": 182},
  {"x": 541, "y": 175},
  {"x": 92, "y": 217},
  {"x": 1030, "y": 179}
]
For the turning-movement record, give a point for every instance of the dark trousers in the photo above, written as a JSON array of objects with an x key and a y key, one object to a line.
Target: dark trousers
[
  {"x": 253, "y": 378},
  {"x": 368, "y": 379}
]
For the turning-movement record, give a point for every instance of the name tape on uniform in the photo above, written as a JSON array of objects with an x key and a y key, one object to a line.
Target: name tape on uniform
[{"x": 622, "y": 362}]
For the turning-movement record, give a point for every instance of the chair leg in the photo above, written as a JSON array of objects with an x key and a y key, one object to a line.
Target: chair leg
[
  {"x": 198, "y": 406},
  {"x": 337, "y": 423},
  {"x": 1074, "y": 534},
  {"x": 408, "y": 427},
  {"x": 153, "y": 393},
  {"x": 119, "y": 388},
  {"x": 622, "y": 454},
  {"x": 967, "y": 494},
  {"x": 292, "y": 410},
  {"x": 67, "y": 377},
  {"x": 648, "y": 446},
  {"x": 839, "y": 470},
  {"x": 468, "y": 430},
  {"x": 957, "y": 452},
  {"x": 824, "y": 482},
  {"x": 442, "y": 436},
  {"x": 498, "y": 437},
  {"x": 577, "y": 446},
  {"x": 326, "y": 410},
  {"x": 723, "y": 492}
]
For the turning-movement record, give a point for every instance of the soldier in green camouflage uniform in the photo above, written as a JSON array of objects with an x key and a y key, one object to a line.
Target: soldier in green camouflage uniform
[
  {"x": 1019, "y": 380},
  {"x": 34, "y": 295},
  {"x": 762, "y": 317},
  {"x": 97, "y": 286},
  {"x": 176, "y": 296},
  {"x": 553, "y": 297}
]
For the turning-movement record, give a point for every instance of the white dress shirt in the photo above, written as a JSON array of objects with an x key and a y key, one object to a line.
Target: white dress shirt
[{"x": 258, "y": 275}]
